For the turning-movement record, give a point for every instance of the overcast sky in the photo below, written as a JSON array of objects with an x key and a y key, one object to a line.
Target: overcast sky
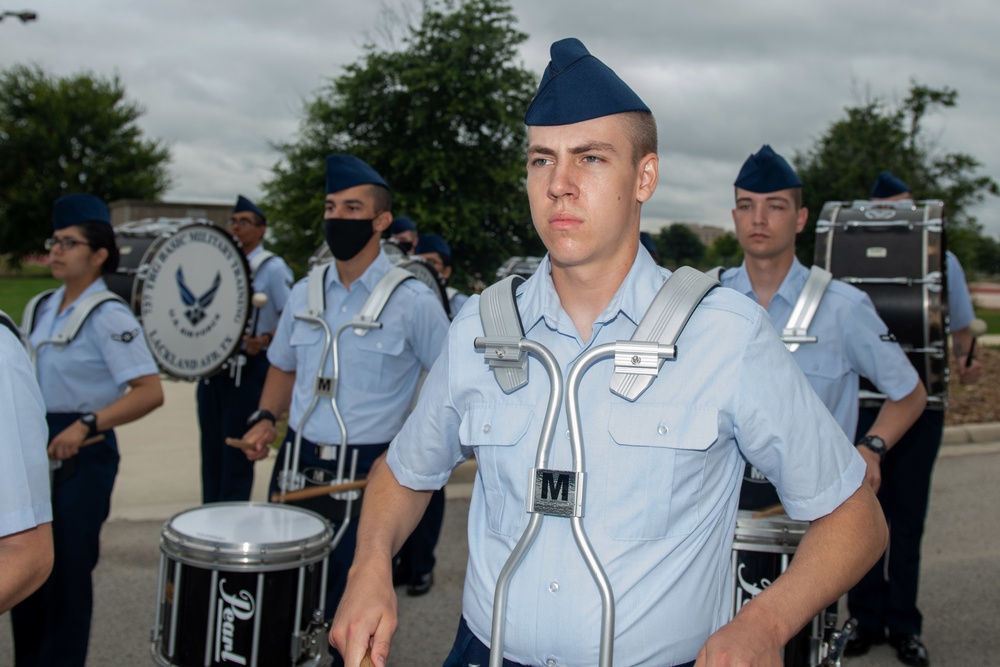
[{"x": 220, "y": 79}]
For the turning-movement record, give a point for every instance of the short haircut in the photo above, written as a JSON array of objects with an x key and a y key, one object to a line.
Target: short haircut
[
  {"x": 102, "y": 235},
  {"x": 796, "y": 196},
  {"x": 640, "y": 127},
  {"x": 381, "y": 198}
]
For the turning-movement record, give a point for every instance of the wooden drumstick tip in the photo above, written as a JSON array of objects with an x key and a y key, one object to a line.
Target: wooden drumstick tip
[
  {"x": 242, "y": 444},
  {"x": 367, "y": 660}
]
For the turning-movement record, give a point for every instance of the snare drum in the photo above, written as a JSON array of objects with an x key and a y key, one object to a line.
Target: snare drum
[
  {"x": 762, "y": 549},
  {"x": 242, "y": 583},
  {"x": 894, "y": 251},
  {"x": 189, "y": 284}
]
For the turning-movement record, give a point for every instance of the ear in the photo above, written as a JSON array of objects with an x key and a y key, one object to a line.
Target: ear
[
  {"x": 800, "y": 222},
  {"x": 649, "y": 176},
  {"x": 98, "y": 257},
  {"x": 382, "y": 221}
]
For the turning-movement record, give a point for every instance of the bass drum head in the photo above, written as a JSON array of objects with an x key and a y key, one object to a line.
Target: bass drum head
[
  {"x": 133, "y": 239},
  {"x": 193, "y": 296}
]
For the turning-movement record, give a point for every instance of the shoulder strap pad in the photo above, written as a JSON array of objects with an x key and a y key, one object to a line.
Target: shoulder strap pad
[
  {"x": 258, "y": 261},
  {"x": 716, "y": 273},
  {"x": 663, "y": 322},
  {"x": 316, "y": 291},
  {"x": 30, "y": 310},
  {"x": 502, "y": 322},
  {"x": 81, "y": 311},
  {"x": 797, "y": 328},
  {"x": 384, "y": 288}
]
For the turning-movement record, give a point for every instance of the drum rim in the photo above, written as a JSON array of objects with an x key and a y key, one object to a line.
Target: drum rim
[
  {"x": 139, "y": 284},
  {"x": 771, "y": 534},
  {"x": 255, "y": 556}
]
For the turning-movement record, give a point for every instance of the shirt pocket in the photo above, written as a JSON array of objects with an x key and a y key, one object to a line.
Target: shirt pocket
[
  {"x": 494, "y": 431},
  {"x": 374, "y": 362},
  {"x": 656, "y": 468},
  {"x": 821, "y": 363}
]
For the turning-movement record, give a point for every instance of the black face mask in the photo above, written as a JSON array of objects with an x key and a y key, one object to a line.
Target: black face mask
[
  {"x": 347, "y": 237},
  {"x": 405, "y": 246}
]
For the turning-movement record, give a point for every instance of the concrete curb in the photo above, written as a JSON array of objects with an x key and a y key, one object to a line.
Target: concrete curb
[{"x": 971, "y": 434}]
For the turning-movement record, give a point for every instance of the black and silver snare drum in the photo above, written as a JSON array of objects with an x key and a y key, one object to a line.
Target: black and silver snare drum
[{"x": 242, "y": 583}]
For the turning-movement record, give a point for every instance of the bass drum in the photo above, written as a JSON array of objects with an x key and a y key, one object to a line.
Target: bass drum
[
  {"x": 894, "y": 251},
  {"x": 420, "y": 269},
  {"x": 189, "y": 283}
]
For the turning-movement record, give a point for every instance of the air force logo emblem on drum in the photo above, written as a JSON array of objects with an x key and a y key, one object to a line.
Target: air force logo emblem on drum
[{"x": 197, "y": 304}]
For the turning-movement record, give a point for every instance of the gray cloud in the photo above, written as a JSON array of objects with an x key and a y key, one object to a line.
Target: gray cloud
[{"x": 221, "y": 80}]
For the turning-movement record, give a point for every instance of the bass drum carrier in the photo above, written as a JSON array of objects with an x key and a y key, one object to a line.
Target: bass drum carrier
[{"x": 894, "y": 251}]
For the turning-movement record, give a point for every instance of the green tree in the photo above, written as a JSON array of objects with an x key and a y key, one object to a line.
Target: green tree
[
  {"x": 845, "y": 160},
  {"x": 61, "y": 135},
  {"x": 678, "y": 245},
  {"x": 725, "y": 251},
  {"x": 441, "y": 119}
]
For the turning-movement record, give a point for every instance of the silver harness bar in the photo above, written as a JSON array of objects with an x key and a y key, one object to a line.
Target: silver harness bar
[
  {"x": 797, "y": 328},
  {"x": 636, "y": 364},
  {"x": 290, "y": 478}
]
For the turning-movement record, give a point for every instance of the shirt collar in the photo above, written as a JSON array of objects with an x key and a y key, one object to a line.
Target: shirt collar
[
  {"x": 97, "y": 286},
  {"x": 538, "y": 301},
  {"x": 378, "y": 268},
  {"x": 789, "y": 289}
]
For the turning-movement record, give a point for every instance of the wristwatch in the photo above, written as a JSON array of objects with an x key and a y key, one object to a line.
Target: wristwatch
[
  {"x": 89, "y": 420},
  {"x": 874, "y": 443},
  {"x": 258, "y": 416}
]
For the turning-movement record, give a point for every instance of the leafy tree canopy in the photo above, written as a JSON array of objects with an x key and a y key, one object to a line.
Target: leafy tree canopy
[
  {"x": 678, "y": 245},
  {"x": 846, "y": 159},
  {"x": 61, "y": 135},
  {"x": 441, "y": 119}
]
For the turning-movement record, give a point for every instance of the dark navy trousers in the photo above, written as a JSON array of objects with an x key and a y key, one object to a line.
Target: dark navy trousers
[
  {"x": 886, "y": 598},
  {"x": 223, "y": 410},
  {"x": 52, "y": 626}
]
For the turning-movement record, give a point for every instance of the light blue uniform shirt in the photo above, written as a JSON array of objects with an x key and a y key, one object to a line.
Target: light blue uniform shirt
[
  {"x": 378, "y": 371},
  {"x": 960, "y": 311},
  {"x": 664, "y": 472},
  {"x": 93, "y": 371},
  {"x": 274, "y": 279},
  {"x": 851, "y": 341},
  {"x": 24, "y": 466}
]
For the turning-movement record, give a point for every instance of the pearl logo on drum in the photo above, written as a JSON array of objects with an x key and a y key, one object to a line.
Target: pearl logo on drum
[{"x": 231, "y": 610}]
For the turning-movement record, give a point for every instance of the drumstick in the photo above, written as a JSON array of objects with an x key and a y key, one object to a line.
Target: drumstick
[
  {"x": 317, "y": 491},
  {"x": 367, "y": 660},
  {"x": 93, "y": 440},
  {"x": 769, "y": 511},
  {"x": 242, "y": 444}
]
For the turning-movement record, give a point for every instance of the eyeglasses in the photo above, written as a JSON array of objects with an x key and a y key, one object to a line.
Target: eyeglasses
[
  {"x": 243, "y": 223},
  {"x": 65, "y": 244}
]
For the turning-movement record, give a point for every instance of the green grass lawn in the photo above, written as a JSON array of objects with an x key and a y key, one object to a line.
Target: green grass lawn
[
  {"x": 992, "y": 319},
  {"x": 16, "y": 291}
]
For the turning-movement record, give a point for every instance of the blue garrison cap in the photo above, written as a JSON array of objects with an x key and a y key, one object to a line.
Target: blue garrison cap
[
  {"x": 766, "y": 171},
  {"x": 576, "y": 87},
  {"x": 887, "y": 185},
  {"x": 647, "y": 242},
  {"x": 244, "y": 204},
  {"x": 402, "y": 224},
  {"x": 78, "y": 209},
  {"x": 432, "y": 243},
  {"x": 346, "y": 171}
]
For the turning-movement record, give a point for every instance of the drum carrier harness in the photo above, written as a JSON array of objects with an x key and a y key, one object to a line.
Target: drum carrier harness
[
  {"x": 290, "y": 477},
  {"x": 236, "y": 368},
  {"x": 796, "y": 329},
  {"x": 637, "y": 364},
  {"x": 81, "y": 311}
]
